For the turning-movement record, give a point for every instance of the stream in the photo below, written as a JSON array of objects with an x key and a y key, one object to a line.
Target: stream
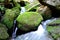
[
  {"x": 15, "y": 27},
  {"x": 40, "y": 34}
]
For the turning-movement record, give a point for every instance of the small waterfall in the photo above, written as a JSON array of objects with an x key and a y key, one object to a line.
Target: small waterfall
[
  {"x": 42, "y": 27},
  {"x": 14, "y": 33},
  {"x": 14, "y": 30},
  {"x": 39, "y": 34},
  {"x": 44, "y": 23},
  {"x": 40, "y": 30},
  {"x": 22, "y": 10}
]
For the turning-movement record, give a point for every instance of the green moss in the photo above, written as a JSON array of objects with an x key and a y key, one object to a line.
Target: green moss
[
  {"x": 2, "y": 7},
  {"x": 55, "y": 29},
  {"x": 50, "y": 28},
  {"x": 1, "y": 0},
  {"x": 3, "y": 32},
  {"x": 9, "y": 17},
  {"x": 29, "y": 20},
  {"x": 16, "y": 10},
  {"x": 17, "y": 5}
]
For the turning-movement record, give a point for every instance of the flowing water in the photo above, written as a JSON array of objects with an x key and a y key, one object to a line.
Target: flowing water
[
  {"x": 15, "y": 28},
  {"x": 39, "y": 34},
  {"x": 14, "y": 31},
  {"x": 22, "y": 10}
]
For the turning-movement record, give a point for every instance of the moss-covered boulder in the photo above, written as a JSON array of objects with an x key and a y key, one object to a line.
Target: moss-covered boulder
[
  {"x": 29, "y": 21},
  {"x": 54, "y": 29},
  {"x": 3, "y": 32},
  {"x": 9, "y": 17}
]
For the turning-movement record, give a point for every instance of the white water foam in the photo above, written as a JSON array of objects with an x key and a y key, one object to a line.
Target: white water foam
[{"x": 22, "y": 10}]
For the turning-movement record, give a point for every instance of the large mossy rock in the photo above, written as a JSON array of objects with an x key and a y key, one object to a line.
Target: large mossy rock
[
  {"x": 9, "y": 17},
  {"x": 29, "y": 21},
  {"x": 3, "y": 32},
  {"x": 54, "y": 29}
]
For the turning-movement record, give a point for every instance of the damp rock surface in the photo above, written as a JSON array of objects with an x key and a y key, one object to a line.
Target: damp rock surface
[
  {"x": 44, "y": 11},
  {"x": 55, "y": 3}
]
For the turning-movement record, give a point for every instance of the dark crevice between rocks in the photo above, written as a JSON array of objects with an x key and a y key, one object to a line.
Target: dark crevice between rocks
[
  {"x": 2, "y": 12},
  {"x": 34, "y": 10},
  {"x": 10, "y": 31},
  {"x": 22, "y": 3},
  {"x": 20, "y": 32},
  {"x": 9, "y": 4},
  {"x": 56, "y": 24}
]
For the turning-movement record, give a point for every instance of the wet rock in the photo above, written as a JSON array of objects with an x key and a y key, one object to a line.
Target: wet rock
[
  {"x": 9, "y": 17},
  {"x": 54, "y": 31},
  {"x": 55, "y": 3},
  {"x": 44, "y": 11},
  {"x": 29, "y": 21},
  {"x": 3, "y": 32},
  {"x": 54, "y": 9}
]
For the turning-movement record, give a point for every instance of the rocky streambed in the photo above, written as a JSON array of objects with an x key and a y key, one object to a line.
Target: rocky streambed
[{"x": 29, "y": 25}]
